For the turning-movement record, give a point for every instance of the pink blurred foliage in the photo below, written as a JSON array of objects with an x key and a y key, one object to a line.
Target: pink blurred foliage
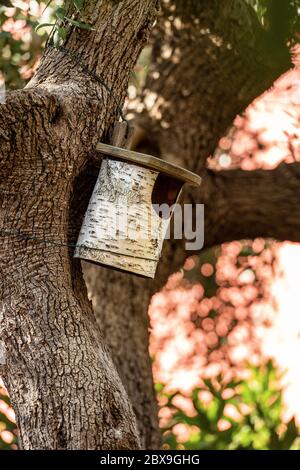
[
  {"x": 196, "y": 336},
  {"x": 268, "y": 132},
  {"x": 22, "y": 31}
]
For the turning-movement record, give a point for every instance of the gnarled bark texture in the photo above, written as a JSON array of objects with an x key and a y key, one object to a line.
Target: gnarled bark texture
[
  {"x": 210, "y": 60},
  {"x": 59, "y": 374}
]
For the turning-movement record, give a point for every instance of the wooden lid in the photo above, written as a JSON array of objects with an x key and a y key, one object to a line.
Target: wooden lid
[{"x": 150, "y": 162}]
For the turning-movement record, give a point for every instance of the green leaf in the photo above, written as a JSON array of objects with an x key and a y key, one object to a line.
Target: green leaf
[
  {"x": 79, "y": 24},
  {"x": 5, "y": 34},
  {"x": 159, "y": 387},
  {"x": 62, "y": 32},
  {"x": 290, "y": 436},
  {"x": 56, "y": 38},
  {"x": 78, "y": 4},
  {"x": 44, "y": 25},
  {"x": 60, "y": 13}
]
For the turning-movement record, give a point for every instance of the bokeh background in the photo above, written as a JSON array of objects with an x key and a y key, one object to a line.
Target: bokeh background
[{"x": 225, "y": 330}]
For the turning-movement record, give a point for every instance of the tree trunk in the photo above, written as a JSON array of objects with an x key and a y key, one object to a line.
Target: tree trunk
[
  {"x": 120, "y": 303},
  {"x": 210, "y": 60},
  {"x": 59, "y": 374}
]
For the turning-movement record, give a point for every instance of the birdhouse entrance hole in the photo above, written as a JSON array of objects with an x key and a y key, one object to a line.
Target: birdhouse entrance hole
[{"x": 166, "y": 191}]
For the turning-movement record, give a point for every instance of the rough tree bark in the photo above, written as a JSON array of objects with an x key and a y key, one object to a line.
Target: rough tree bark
[
  {"x": 59, "y": 374},
  {"x": 210, "y": 60}
]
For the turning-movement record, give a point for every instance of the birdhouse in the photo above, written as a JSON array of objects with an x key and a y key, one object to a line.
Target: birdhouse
[{"x": 124, "y": 226}]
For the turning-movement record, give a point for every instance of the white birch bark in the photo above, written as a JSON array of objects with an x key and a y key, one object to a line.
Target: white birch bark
[{"x": 121, "y": 229}]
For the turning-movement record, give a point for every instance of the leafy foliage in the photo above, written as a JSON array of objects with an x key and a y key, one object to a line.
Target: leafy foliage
[
  {"x": 21, "y": 46},
  {"x": 23, "y": 34},
  {"x": 64, "y": 20},
  {"x": 240, "y": 414},
  {"x": 210, "y": 307}
]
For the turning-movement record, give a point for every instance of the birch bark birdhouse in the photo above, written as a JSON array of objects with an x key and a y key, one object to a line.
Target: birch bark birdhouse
[{"x": 124, "y": 227}]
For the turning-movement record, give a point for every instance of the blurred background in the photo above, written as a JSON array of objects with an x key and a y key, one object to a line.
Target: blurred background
[{"x": 225, "y": 330}]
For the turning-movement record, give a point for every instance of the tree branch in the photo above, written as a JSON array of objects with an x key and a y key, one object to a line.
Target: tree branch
[{"x": 248, "y": 204}]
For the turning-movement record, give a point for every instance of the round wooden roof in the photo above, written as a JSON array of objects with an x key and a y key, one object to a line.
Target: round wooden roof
[{"x": 149, "y": 161}]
